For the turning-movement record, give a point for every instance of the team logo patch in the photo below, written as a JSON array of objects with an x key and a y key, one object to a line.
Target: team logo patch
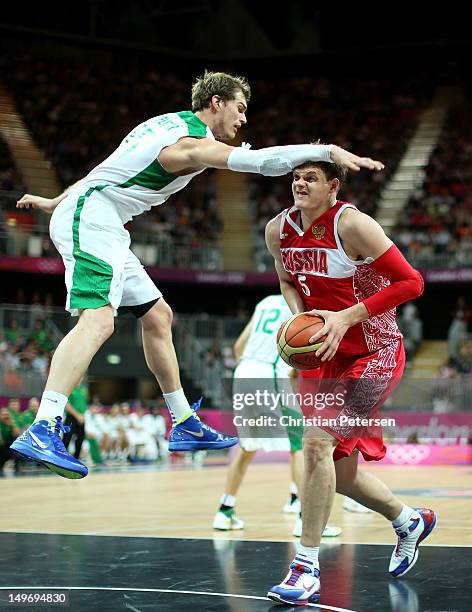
[{"x": 318, "y": 231}]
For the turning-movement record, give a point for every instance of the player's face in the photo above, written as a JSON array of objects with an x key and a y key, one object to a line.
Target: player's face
[
  {"x": 232, "y": 115},
  {"x": 311, "y": 188}
]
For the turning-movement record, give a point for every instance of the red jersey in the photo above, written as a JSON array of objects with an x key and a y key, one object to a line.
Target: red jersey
[{"x": 326, "y": 279}]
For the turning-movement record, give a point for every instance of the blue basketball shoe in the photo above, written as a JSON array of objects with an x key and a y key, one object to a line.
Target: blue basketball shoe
[
  {"x": 301, "y": 586},
  {"x": 410, "y": 535},
  {"x": 191, "y": 434},
  {"x": 42, "y": 443}
]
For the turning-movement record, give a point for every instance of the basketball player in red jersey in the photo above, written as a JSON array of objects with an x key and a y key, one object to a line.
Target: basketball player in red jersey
[{"x": 334, "y": 261}]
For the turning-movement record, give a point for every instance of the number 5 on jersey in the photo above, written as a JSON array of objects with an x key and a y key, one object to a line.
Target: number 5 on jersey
[{"x": 301, "y": 279}]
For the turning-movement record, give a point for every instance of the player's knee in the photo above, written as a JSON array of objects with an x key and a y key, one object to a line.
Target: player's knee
[
  {"x": 100, "y": 322},
  {"x": 316, "y": 450},
  {"x": 158, "y": 320}
]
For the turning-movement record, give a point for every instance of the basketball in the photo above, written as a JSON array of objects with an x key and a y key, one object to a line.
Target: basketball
[{"x": 293, "y": 341}]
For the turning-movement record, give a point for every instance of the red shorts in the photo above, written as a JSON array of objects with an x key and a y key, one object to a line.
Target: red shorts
[{"x": 386, "y": 364}]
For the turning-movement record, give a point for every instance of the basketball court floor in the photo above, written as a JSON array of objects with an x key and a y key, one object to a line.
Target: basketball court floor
[{"x": 141, "y": 539}]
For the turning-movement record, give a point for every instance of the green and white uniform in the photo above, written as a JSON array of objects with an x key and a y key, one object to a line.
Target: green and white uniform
[
  {"x": 261, "y": 369},
  {"x": 87, "y": 226}
]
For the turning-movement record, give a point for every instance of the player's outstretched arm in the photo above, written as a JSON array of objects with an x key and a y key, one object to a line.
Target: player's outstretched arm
[
  {"x": 46, "y": 205},
  {"x": 290, "y": 293},
  {"x": 196, "y": 153}
]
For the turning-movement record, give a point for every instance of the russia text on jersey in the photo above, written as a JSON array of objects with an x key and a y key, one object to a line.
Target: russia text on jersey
[{"x": 304, "y": 260}]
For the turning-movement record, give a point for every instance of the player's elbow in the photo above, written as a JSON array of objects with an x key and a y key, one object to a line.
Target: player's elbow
[
  {"x": 417, "y": 285},
  {"x": 413, "y": 286}
]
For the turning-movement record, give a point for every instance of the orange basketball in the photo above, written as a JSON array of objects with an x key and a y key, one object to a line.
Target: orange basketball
[{"x": 293, "y": 341}]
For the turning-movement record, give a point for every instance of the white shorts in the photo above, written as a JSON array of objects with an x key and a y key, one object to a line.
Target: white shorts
[
  {"x": 250, "y": 377},
  {"x": 100, "y": 267}
]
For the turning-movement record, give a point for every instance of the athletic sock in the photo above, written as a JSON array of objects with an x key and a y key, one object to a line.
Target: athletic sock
[
  {"x": 227, "y": 503},
  {"x": 404, "y": 515},
  {"x": 177, "y": 405},
  {"x": 52, "y": 405},
  {"x": 308, "y": 555}
]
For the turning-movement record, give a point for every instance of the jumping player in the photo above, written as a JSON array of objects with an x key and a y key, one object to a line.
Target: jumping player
[
  {"x": 334, "y": 261},
  {"x": 158, "y": 158}
]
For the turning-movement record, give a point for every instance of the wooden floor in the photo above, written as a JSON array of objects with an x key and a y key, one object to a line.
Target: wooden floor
[{"x": 182, "y": 502}]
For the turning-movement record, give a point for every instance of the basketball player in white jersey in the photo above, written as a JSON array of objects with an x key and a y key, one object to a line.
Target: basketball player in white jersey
[
  {"x": 261, "y": 368},
  {"x": 158, "y": 158}
]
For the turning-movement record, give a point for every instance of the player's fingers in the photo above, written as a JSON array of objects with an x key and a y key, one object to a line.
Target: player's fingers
[
  {"x": 316, "y": 313},
  {"x": 319, "y": 334},
  {"x": 332, "y": 351},
  {"x": 366, "y": 162},
  {"x": 325, "y": 345},
  {"x": 352, "y": 166}
]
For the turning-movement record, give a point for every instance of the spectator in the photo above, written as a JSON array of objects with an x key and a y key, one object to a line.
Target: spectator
[
  {"x": 411, "y": 327},
  {"x": 456, "y": 335},
  {"x": 8, "y": 432},
  {"x": 30, "y": 413},
  {"x": 75, "y": 418},
  {"x": 96, "y": 433}
]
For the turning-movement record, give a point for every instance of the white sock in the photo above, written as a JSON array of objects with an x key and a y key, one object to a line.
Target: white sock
[
  {"x": 52, "y": 405},
  {"x": 177, "y": 404},
  {"x": 293, "y": 488},
  {"x": 403, "y": 516},
  {"x": 308, "y": 553},
  {"x": 228, "y": 500}
]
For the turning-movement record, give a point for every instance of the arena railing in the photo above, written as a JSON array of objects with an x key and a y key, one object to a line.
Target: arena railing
[{"x": 17, "y": 241}]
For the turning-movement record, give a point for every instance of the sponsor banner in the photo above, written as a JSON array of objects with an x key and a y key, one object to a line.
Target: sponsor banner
[
  {"x": 400, "y": 454},
  {"x": 54, "y": 266},
  {"x": 174, "y": 275}
]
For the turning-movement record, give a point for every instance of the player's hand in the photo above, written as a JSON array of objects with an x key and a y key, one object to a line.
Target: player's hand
[
  {"x": 336, "y": 325},
  {"x": 353, "y": 162},
  {"x": 45, "y": 204}
]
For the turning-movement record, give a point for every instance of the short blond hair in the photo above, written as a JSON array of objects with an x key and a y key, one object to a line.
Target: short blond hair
[{"x": 217, "y": 84}]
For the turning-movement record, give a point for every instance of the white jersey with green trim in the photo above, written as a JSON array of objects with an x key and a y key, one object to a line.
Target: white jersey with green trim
[
  {"x": 268, "y": 316},
  {"x": 132, "y": 177}
]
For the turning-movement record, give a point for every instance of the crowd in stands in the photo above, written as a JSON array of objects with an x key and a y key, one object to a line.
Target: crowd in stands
[
  {"x": 437, "y": 218},
  {"x": 78, "y": 114},
  {"x": 124, "y": 432},
  {"x": 26, "y": 349}
]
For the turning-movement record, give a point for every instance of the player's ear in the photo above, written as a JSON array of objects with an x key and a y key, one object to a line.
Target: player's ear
[
  {"x": 335, "y": 184},
  {"x": 215, "y": 102}
]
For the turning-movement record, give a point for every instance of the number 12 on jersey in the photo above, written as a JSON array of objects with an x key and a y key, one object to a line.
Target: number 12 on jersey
[{"x": 267, "y": 319}]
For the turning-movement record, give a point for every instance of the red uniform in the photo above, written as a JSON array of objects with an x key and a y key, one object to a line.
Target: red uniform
[{"x": 326, "y": 279}]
